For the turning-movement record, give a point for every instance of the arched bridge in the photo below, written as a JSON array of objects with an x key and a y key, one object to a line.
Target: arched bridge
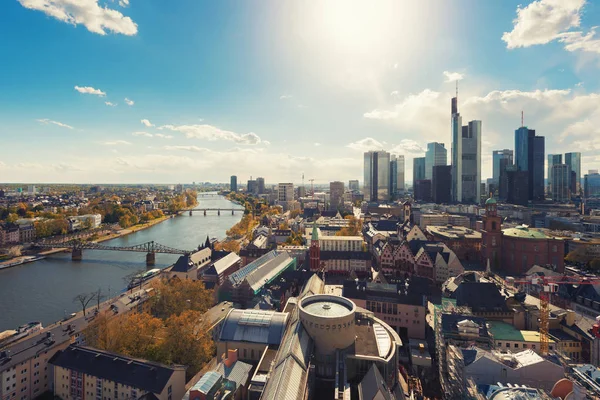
[{"x": 77, "y": 246}]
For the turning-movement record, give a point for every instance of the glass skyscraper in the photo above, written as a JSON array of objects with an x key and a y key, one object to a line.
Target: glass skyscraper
[
  {"x": 591, "y": 185},
  {"x": 500, "y": 160},
  {"x": 418, "y": 169},
  {"x": 530, "y": 157},
  {"x": 377, "y": 176},
  {"x": 396, "y": 175},
  {"x": 436, "y": 155},
  {"x": 573, "y": 160},
  {"x": 553, "y": 159},
  {"x": 560, "y": 182},
  {"x": 466, "y": 158}
]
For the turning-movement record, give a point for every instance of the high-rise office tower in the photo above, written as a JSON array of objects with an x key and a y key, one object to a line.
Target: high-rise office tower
[
  {"x": 396, "y": 175},
  {"x": 251, "y": 186},
  {"x": 418, "y": 169},
  {"x": 553, "y": 159},
  {"x": 353, "y": 184},
  {"x": 573, "y": 160},
  {"x": 441, "y": 184},
  {"x": 233, "y": 183},
  {"x": 530, "y": 157},
  {"x": 377, "y": 176},
  {"x": 336, "y": 195},
  {"x": 260, "y": 185},
  {"x": 560, "y": 182},
  {"x": 466, "y": 158},
  {"x": 436, "y": 154},
  {"x": 500, "y": 160},
  {"x": 591, "y": 184}
]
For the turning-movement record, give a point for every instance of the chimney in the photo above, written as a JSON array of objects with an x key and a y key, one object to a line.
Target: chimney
[
  {"x": 570, "y": 319},
  {"x": 232, "y": 356}
]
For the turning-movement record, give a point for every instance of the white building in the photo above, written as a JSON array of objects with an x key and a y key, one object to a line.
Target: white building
[
  {"x": 285, "y": 192},
  {"x": 335, "y": 243}
]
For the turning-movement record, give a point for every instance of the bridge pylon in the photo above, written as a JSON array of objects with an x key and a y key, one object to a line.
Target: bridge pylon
[
  {"x": 150, "y": 259},
  {"x": 77, "y": 254},
  {"x": 205, "y": 213},
  {"x": 219, "y": 212}
]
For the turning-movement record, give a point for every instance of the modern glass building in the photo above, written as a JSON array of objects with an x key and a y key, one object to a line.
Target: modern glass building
[
  {"x": 539, "y": 158},
  {"x": 500, "y": 160},
  {"x": 436, "y": 154},
  {"x": 591, "y": 184},
  {"x": 560, "y": 182},
  {"x": 530, "y": 157},
  {"x": 456, "y": 150},
  {"x": 396, "y": 175},
  {"x": 233, "y": 183},
  {"x": 466, "y": 158},
  {"x": 418, "y": 169},
  {"x": 553, "y": 159},
  {"x": 377, "y": 176},
  {"x": 573, "y": 160}
]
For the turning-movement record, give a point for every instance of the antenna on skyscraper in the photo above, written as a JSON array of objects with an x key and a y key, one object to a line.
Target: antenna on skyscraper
[
  {"x": 522, "y": 124},
  {"x": 457, "y": 90}
]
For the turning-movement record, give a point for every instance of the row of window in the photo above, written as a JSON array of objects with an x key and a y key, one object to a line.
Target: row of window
[
  {"x": 522, "y": 346},
  {"x": 327, "y": 327}
]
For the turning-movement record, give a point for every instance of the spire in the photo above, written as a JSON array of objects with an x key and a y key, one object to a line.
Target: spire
[
  {"x": 207, "y": 243},
  {"x": 522, "y": 124},
  {"x": 315, "y": 232}
]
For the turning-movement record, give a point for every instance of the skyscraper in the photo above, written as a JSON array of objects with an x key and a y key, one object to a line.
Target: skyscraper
[
  {"x": 560, "y": 182},
  {"x": 336, "y": 195},
  {"x": 396, "y": 175},
  {"x": 377, "y": 176},
  {"x": 233, "y": 183},
  {"x": 466, "y": 158},
  {"x": 260, "y": 185},
  {"x": 553, "y": 159},
  {"x": 436, "y": 154},
  {"x": 353, "y": 184},
  {"x": 530, "y": 156},
  {"x": 573, "y": 160},
  {"x": 441, "y": 184},
  {"x": 251, "y": 186},
  {"x": 591, "y": 184},
  {"x": 418, "y": 169},
  {"x": 500, "y": 160}
]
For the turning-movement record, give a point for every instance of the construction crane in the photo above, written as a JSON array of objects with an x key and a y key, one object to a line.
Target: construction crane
[{"x": 549, "y": 285}]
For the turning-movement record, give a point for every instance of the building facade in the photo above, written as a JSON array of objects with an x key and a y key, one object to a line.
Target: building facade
[
  {"x": 233, "y": 183},
  {"x": 530, "y": 157},
  {"x": 353, "y": 184},
  {"x": 573, "y": 160},
  {"x": 592, "y": 184},
  {"x": 396, "y": 175},
  {"x": 436, "y": 154},
  {"x": 500, "y": 159},
  {"x": 285, "y": 192},
  {"x": 336, "y": 195},
  {"x": 553, "y": 159},
  {"x": 560, "y": 183},
  {"x": 441, "y": 184},
  {"x": 376, "y": 175},
  {"x": 260, "y": 185},
  {"x": 418, "y": 169}
]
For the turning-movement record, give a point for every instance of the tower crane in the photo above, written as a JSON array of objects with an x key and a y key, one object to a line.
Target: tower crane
[{"x": 548, "y": 286}]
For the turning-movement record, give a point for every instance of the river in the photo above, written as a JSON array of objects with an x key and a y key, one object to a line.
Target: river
[{"x": 44, "y": 290}]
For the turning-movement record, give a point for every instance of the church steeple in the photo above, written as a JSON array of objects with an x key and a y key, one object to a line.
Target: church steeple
[{"x": 207, "y": 244}]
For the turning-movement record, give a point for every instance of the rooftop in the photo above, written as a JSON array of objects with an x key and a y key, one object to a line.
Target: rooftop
[
  {"x": 503, "y": 331},
  {"x": 525, "y": 232},
  {"x": 254, "y": 326},
  {"x": 324, "y": 305},
  {"x": 453, "y": 232}
]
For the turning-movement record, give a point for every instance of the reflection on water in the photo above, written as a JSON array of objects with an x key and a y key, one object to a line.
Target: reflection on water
[{"x": 44, "y": 290}]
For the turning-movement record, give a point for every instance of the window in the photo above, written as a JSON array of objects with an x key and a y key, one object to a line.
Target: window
[{"x": 516, "y": 345}]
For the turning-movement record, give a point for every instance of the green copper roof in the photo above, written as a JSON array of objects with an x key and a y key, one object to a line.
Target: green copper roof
[
  {"x": 491, "y": 200},
  {"x": 525, "y": 233},
  {"x": 315, "y": 232}
]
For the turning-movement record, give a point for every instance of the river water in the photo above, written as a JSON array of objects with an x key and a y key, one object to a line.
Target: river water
[{"x": 44, "y": 290}]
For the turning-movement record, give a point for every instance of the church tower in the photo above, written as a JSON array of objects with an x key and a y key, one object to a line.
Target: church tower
[
  {"x": 491, "y": 235},
  {"x": 315, "y": 250}
]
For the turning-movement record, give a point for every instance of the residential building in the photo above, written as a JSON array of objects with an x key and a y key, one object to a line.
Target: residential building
[
  {"x": 336, "y": 195},
  {"x": 573, "y": 160},
  {"x": 260, "y": 185},
  {"x": 233, "y": 183},
  {"x": 561, "y": 174},
  {"x": 87, "y": 373},
  {"x": 377, "y": 176},
  {"x": 229, "y": 380},
  {"x": 418, "y": 169},
  {"x": 426, "y": 220},
  {"x": 508, "y": 338},
  {"x": 402, "y": 305},
  {"x": 592, "y": 184},
  {"x": 553, "y": 159},
  {"x": 216, "y": 273},
  {"x": 334, "y": 243},
  {"x": 441, "y": 184},
  {"x": 465, "y": 242},
  {"x": 188, "y": 266},
  {"x": 353, "y": 185},
  {"x": 285, "y": 192},
  {"x": 436, "y": 154},
  {"x": 529, "y": 156},
  {"x": 500, "y": 160}
]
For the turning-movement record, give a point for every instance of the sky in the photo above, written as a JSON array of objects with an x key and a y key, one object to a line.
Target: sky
[{"x": 154, "y": 91}]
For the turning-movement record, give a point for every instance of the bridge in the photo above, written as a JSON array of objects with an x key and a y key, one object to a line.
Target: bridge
[
  {"x": 209, "y": 195},
  {"x": 218, "y": 210},
  {"x": 77, "y": 246}
]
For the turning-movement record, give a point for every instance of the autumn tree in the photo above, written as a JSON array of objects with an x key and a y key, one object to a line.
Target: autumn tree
[
  {"x": 229, "y": 245},
  {"x": 176, "y": 296},
  {"x": 84, "y": 299},
  {"x": 354, "y": 227}
]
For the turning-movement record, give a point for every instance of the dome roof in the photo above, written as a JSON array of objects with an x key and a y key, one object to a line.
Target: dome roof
[{"x": 491, "y": 200}]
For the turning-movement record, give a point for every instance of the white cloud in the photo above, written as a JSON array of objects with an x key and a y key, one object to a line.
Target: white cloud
[
  {"x": 162, "y": 136},
  {"x": 407, "y": 146},
  {"x": 209, "y": 132},
  {"x": 453, "y": 76},
  {"x": 285, "y": 97},
  {"x": 578, "y": 41},
  {"x": 90, "y": 90},
  {"x": 147, "y": 123},
  {"x": 579, "y": 84},
  {"x": 542, "y": 22},
  {"x": 47, "y": 121},
  {"x": 117, "y": 143},
  {"x": 124, "y": 3},
  {"x": 408, "y": 107},
  {"x": 317, "y": 144},
  {"x": 108, "y": 103},
  {"x": 96, "y": 18},
  {"x": 129, "y": 102},
  {"x": 367, "y": 144},
  {"x": 142, "y": 134}
]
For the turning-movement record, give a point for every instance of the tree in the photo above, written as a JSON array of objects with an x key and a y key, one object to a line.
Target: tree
[
  {"x": 84, "y": 299},
  {"x": 176, "y": 296},
  {"x": 99, "y": 297},
  {"x": 353, "y": 228}
]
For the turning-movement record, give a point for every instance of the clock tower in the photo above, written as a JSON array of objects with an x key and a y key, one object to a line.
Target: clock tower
[{"x": 491, "y": 235}]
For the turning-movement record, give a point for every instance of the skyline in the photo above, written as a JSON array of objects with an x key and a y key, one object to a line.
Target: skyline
[{"x": 164, "y": 93}]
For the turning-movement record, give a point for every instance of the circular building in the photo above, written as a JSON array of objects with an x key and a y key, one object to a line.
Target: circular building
[{"x": 329, "y": 320}]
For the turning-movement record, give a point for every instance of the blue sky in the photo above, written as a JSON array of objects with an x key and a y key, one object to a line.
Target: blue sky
[{"x": 277, "y": 88}]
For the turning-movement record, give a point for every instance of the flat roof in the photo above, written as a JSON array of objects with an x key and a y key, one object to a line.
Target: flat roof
[
  {"x": 503, "y": 331},
  {"x": 454, "y": 231}
]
